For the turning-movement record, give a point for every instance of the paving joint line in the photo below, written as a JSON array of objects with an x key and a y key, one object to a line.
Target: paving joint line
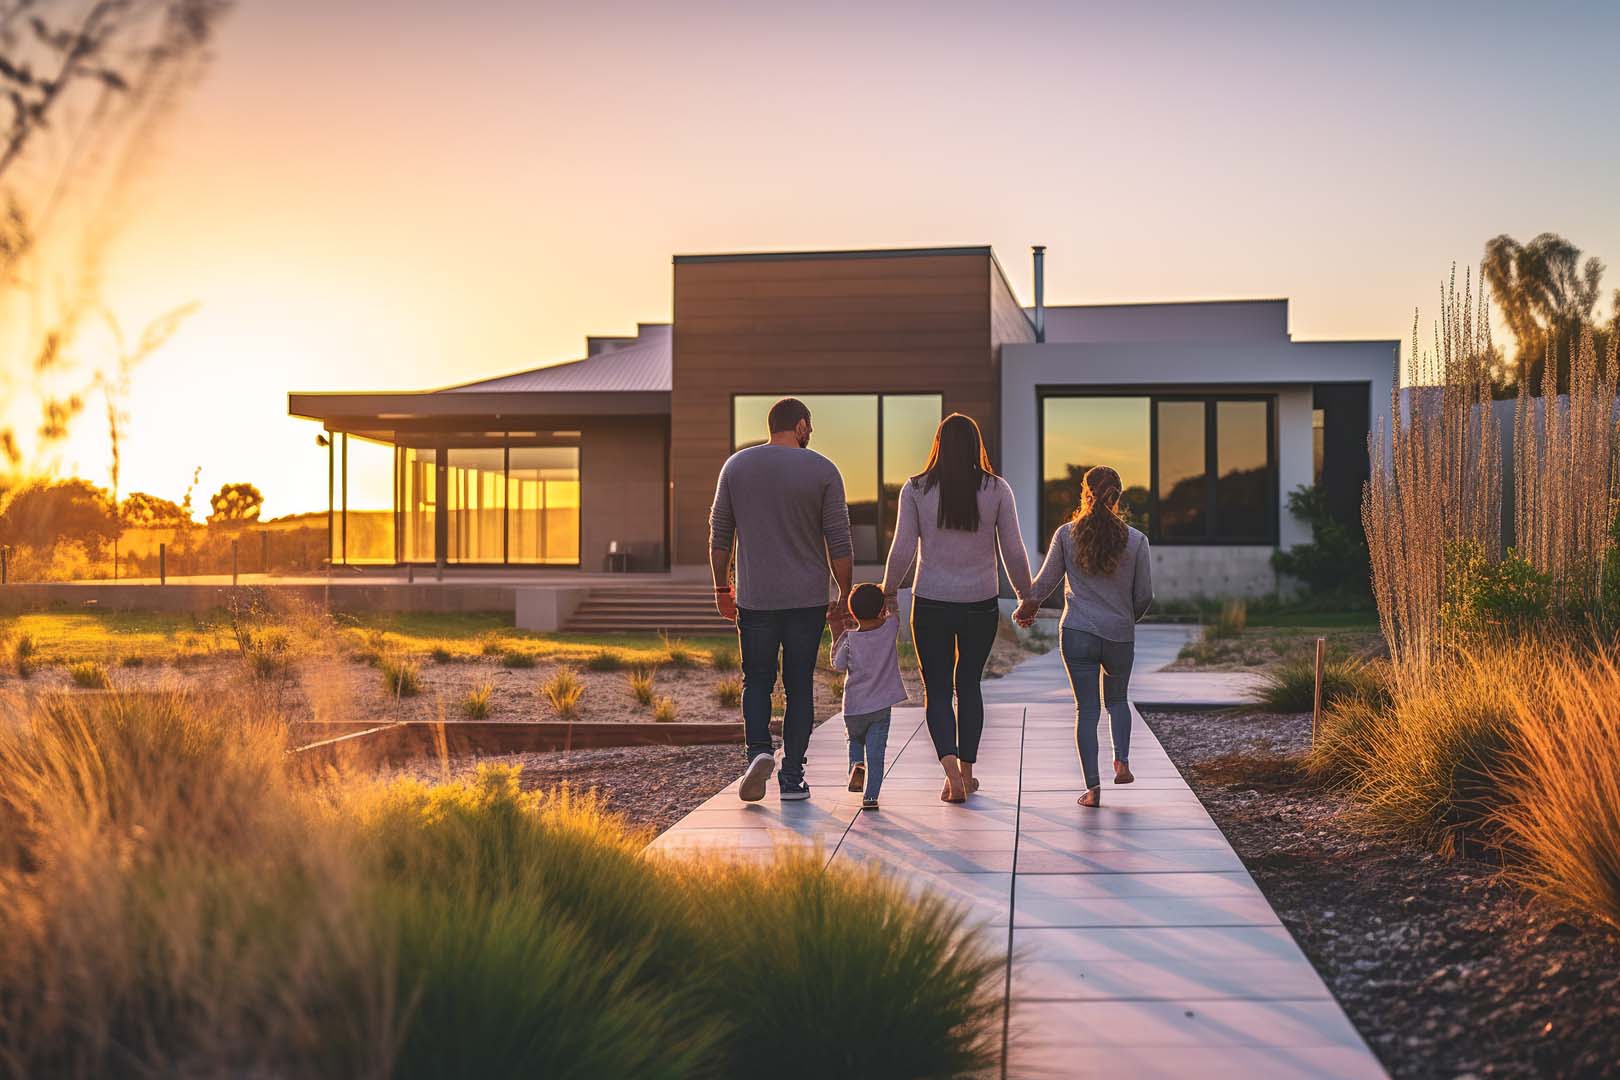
[
  {"x": 922, "y": 723},
  {"x": 1012, "y": 895}
]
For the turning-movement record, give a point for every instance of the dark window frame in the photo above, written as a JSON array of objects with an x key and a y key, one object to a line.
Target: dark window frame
[
  {"x": 885, "y": 513},
  {"x": 1154, "y": 395}
]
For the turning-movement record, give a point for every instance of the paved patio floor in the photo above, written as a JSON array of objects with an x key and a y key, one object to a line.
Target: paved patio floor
[{"x": 1139, "y": 945}]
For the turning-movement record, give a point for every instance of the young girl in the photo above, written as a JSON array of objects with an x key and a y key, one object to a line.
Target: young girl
[
  {"x": 872, "y": 687},
  {"x": 1104, "y": 565}
]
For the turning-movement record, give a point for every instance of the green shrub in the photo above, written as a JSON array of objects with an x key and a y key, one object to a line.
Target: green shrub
[
  {"x": 1482, "y": 597},
  {"x": 641, "y": 682},
  {"x": 725, "y": 659},
  {"x": 475, "y": 703},
  {"x": 664, "y": 710},
  {"x": 1291, "y": 687},
  {"x": 562, "y": 692},
  {"x": 605, "y": 660},
  {"x": 728, "y": 692},
  {"x": 89, "y": 675},
  {"x": 518, "y": 658},
  {"x": 400, "y": 677},
  {"x": 1336, "y": 561}
]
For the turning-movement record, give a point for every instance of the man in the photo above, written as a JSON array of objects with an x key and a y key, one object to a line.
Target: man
[{"x": 783, "y": 504}]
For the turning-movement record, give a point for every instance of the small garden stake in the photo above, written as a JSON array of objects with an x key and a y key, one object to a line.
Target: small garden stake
[{"x": 1316, "y": 708}]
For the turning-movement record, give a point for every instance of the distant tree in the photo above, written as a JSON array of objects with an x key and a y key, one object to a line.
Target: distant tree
[
  {"x": 235, "y": 503},
  {"x": 1547, "y": 295},
  {"x": 44, "y": 514},
  {"x": 143, "y": 511}
]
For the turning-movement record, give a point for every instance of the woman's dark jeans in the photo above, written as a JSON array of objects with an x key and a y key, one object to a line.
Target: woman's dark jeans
[
  {"x": 1085, "y": 655},
  {"x": 953, "y": 642}
]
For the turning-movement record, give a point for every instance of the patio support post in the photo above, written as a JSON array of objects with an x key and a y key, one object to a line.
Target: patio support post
[
  {"x": 331, "y": 500},
  {"x": 343, "y": 542},
  {"x": 234, "y": 543},
  {"x": 163, "y": 564},
  {"x": 5, "y": 564}
]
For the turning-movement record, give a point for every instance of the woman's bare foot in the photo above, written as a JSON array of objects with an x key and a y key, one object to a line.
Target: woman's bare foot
[
  {"x": 1122, "y": 772},
  {"x": 969, "y": 782},
  {"x": 955, "y": 791},
  {"x": 1092, "y": 797}
]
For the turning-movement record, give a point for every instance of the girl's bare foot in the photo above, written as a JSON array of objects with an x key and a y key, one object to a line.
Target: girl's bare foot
[
  {"x": 1092, "y": 797},
  {"x": 969, "y": 782},
  {"x": 1122, "y": 772},
  {"x": 955, "y": 791}
]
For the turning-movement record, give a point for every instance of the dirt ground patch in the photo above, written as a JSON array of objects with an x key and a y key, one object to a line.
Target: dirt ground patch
[{"x": 1444, "y": 968}]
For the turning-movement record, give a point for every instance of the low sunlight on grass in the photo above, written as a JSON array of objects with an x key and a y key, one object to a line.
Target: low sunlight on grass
[
  {"x": 641, "y": 681},
  {"x": 174, "y": 900}
]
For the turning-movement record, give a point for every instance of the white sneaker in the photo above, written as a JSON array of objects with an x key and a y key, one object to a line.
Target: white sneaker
[{"x": 752, "y": 788}]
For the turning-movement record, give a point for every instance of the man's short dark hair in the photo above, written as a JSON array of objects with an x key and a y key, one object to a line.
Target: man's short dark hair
[
  {"x": 786, "y": 414},
  {"x": 866, "y": 601}
]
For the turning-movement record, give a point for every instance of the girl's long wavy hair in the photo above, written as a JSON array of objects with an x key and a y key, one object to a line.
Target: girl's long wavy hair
[
  {"x": 1099, "y": 530},
  {"x": 960, "y": 466}
]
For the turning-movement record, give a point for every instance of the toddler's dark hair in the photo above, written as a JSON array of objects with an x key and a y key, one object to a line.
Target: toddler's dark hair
[{"x": 866, "y": 602}]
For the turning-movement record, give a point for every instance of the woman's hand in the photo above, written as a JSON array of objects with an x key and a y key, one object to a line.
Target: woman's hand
[
  {"x": 1025, "y": 615},
  {"x": 891, "y": 603}
]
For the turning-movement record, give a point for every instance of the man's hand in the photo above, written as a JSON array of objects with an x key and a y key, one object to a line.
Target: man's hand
[
  {"x": 891, "y": 603},
  {"x": 1025, "y": 615},
  {"x": 838, "y": 614},
  {"x": 726, "y": 603}
]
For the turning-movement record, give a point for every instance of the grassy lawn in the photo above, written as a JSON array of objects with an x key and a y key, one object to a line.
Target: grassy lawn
[
  {"x": 112, "y": 637},
  {"x": 1265, "y": 647}
]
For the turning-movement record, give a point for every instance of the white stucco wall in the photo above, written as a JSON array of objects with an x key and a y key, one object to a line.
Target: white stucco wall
[{"x": 1270, "y": 363}]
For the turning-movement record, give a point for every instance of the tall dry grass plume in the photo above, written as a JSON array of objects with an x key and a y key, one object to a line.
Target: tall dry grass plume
[
  {"x": 1566, "y": 488},
  {"x": 1436, "y": 481}
]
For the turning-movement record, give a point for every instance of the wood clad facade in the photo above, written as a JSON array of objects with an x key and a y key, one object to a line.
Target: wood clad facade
[{"x": 927, "y": 321}]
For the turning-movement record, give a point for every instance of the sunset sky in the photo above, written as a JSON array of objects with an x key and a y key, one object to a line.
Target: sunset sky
[{"x": 408, "y": 194}]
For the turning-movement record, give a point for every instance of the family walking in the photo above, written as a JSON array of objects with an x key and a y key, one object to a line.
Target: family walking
[{"x": 779, "y": 517}]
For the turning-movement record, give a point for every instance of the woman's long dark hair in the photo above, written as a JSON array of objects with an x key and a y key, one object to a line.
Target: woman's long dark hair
[
  {"x": 959, "y": 465},
  {"x": 1099, "y": 532}
]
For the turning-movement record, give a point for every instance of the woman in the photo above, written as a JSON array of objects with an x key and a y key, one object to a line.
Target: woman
[
  {"x": 954, "y": 516},
  {"x": 1104, "y": 566}
]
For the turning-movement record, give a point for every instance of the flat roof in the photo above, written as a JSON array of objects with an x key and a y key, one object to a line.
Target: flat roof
[{"x": 857, "y": 253}]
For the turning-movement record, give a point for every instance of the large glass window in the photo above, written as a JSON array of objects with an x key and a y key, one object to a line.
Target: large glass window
[
  {"x": 418, "y": 504},
  {"x": 1182, "y": 473},
  {"x": 476, "y": 502},
  {"x": 846, "y": 430},
  {"x": 1243, "y": 484},
  {"x": 1080, "y": 432},
  {"x": 543, "y": 501},
  {"x": 1196, "y": 470}
]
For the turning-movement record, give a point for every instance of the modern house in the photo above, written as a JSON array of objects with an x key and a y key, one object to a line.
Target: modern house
[{"x": 1210, "y": 411}]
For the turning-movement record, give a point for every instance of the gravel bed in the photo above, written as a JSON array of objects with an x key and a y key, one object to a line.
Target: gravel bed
[
  {"x": 652, "y": 787},
  {"x": 1446, "y": 970}
]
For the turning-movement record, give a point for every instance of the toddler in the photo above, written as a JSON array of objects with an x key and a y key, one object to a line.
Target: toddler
[{"x": 871, "y": 687}]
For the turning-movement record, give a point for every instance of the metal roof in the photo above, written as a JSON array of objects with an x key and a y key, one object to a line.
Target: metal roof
[{"x": 641, "y": 365}]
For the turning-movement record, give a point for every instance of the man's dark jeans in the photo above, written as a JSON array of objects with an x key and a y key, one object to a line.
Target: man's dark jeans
[{"x": 793, "y": 636}]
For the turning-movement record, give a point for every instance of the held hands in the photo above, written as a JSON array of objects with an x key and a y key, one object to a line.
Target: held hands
[
  {"x": 1025, "y": 615},
  {"x": 838, "y": 615}
]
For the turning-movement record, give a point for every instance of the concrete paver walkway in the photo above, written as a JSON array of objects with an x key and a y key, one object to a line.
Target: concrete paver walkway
[{"x": 1139, "y": 944}]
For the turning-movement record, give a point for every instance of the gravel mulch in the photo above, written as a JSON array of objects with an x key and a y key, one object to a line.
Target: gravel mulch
[
  {"x": 652, "y": 787},
  {"x": 1446, "y": 970}
]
